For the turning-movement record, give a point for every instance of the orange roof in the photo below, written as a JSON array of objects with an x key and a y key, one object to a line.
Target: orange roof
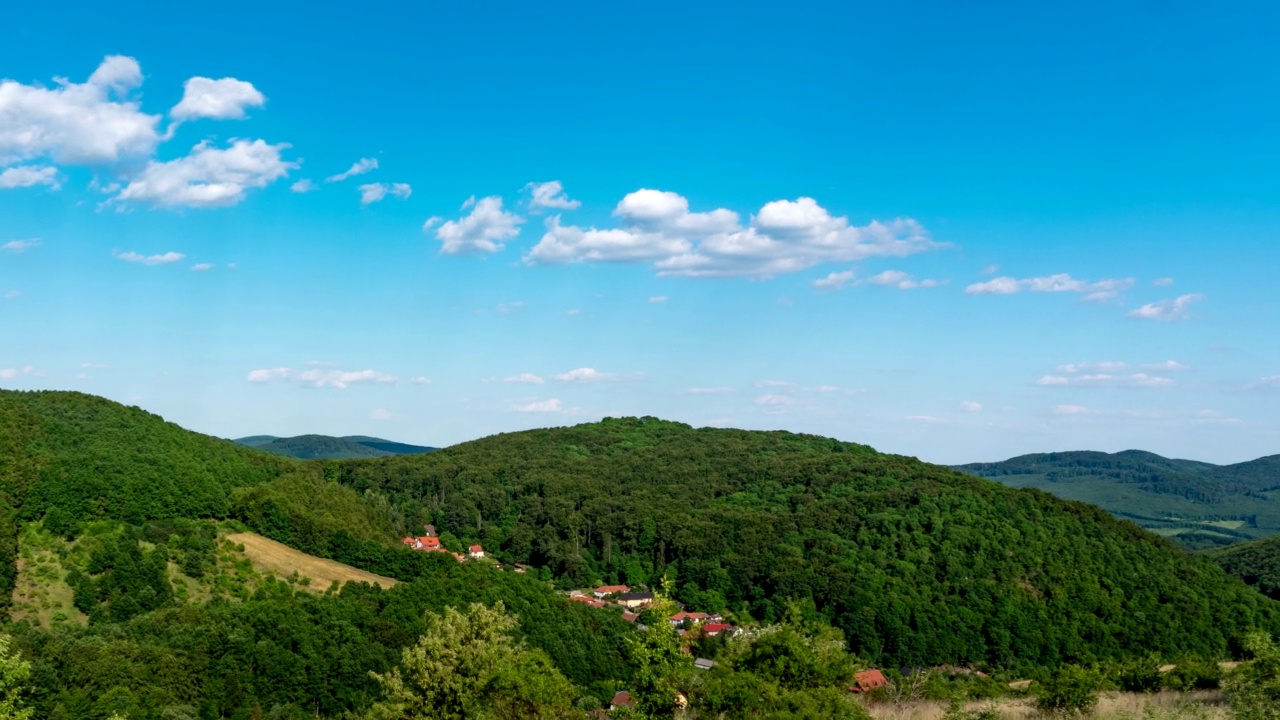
[
  {"x": 611, "y": 589},
  {"x": 869, "y": 680},
  {"x": 430, "y": 542},
  {"x": 476, "y": 548},
  {"x": 715, "y": 628}
]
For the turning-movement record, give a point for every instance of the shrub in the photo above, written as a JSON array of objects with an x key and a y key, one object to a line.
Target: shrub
[
  {"x": 1139, "y": 676},
  {"x": 1254, "y": 688},
  {"x": 1072, "y": 689}
]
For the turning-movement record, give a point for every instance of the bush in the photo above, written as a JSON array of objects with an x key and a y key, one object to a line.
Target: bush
[
  {"x": 1072, "y": 689},
  {"x": 1141, "y": 676},
  {"x": 1254, "y": 688},
  {"x": 1193, "y": 674}
]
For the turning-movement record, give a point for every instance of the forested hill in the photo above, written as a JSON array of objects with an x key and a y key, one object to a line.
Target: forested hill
[
  {"x": 918, "y": 564},
  {"x": 1196, "y": 504},
  {"x": 1256, "y": 562},
  {"x": 94, "y": 458},
  {"x": 311, "y": 447}
]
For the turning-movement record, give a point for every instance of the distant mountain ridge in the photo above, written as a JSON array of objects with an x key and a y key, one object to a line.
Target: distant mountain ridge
[
  {"x": 328, "y": 447},
  {"x": 1196, "y": 504}
]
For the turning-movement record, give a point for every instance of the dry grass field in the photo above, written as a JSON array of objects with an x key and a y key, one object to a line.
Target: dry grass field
[
  {"x": 283, "y": 561},
  {"x": 1111, "y": 706}
]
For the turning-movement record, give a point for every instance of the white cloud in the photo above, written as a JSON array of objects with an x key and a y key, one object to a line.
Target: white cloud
[
  {"x": 385, "y": 414},
  {"x": 202, "y": 267},
  {"x": 1096, "y": 291},
  {"x": 524, "y": 378},
  {"x": 223, "y": 99},
  {"x": 1163, "y": 282},
  {"x": 900, "y": 280},
  {"x": 1106, "y": 380},
  {"x": 708, "y": 390},
  {"x": 775, "y": 400},
  {"x": 94, "y": 366},
  {"x": 505, "y": 308},
  {"x": 303, "y": 186},
  {"x": 834, "y": 281},
  {"x": 160, "y": 259},
  {"x": 360, "y": 167},
  {"x": 29, "y": 176},
  {"x": 828, "y": 388},
  {"x": 1215, "y": 417},
  {"x": 1071, "y": 410},
  {"x": 91, "y": 123},
  {"x": 774, "y": 383},
  {"x": 572, "y": 311},
  {"x": 320, "y": 378},
  {"x": 657, "y": 299},
  {"x": 420, "y": 380},
  {"x": 375, "y": 192},
  {"x": 970, "y": 406},
  {"x": 549, "y": 196},
  {"x": 11, "y": 294},
  {"x": 19, "y": 246},
  {"x": 991, "y": 270},
  {"x": 584, "y": 375},
  {"x": 485, "y": 229},
  {"x": 1167, "y": 310},
  {"x": 784, "y": 236},
  {"x": 11, "y": 373},
  {"x": 208, "y": 177},
  {"x": 1103, "y": 366},
  {"x": 1166, "y": 366},
  {"x": 928, "y": 419},
  {"x": 539, "y": 406}
]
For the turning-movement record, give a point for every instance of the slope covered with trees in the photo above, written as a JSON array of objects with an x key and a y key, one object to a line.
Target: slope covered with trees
[
  {"x": 1196, "y": 504},
  {"x": 917, "y": 564},
  {"x": 1257, "y": 563},
  {"x": 327, "y": 447}
]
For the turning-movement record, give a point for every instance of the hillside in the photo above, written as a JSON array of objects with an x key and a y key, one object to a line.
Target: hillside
[
  {"x": 312, "y": 447},
  {"x": 917, "y": 564},
  {"x": 1196, "y": 504},
  {"x": 1256, "y": 562}
]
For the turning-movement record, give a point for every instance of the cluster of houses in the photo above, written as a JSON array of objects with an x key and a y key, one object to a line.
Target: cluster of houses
[{"x": 430, "y": 542}]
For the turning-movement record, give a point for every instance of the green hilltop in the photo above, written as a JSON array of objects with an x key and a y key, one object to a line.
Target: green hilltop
[
  {"x": 1197, "y": 504},
  {"x": 327, "y": 447}
]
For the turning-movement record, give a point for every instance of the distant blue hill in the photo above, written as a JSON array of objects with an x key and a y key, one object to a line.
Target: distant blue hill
[{"x": 327, "y": 447}]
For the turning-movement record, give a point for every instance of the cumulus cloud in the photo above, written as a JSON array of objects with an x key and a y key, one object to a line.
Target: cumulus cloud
[
  {"x": 320, "y": 377},
  {"x": 91, "y": 123},
  {"x": 1096, "y": 291},
  {"x": 160, "y": 259},
  {"x": 540, "y": 406},
  {"x": 360, "y": 167},
  {"x": 970, "y": 406},
  {"x": 223, "y": 99},
  {"x": 657, "y": 227},
  {"x": 524, "y": 378},
  {"x": 208, "y": 176},
  {"x": 30, "y": 176},
  {"x": 1106, "y": 380},
  {"x": 375, "y": 192},
  {"x": 834, "y": 280},
  {"x": 584, "y": 375},
  {"x": 20, "y": 246},
  {"x": 485, "y": 229},
  {"x": 549, "y": 196},
  {"x": 1167, "y": 310},
  {"x": 1071, "y": 410},
  {"x": 303, "y": 186}
]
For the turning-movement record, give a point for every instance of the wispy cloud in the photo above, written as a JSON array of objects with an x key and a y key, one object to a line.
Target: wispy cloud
[
  {"x": 1068, "y": 410},
  {"x": 11, "y": 294},
  {"x": 11, "y": 373},
  {"x": 303, "y": 186},
  {"x": 708, "y": 390},
  {"x": 160, "y": 259},
  {"x": 528, "y": 378},
  {"x": 20, "y": 246},
  {"x": 420, "y": 380},
  {"x": 202, "y": 267},
  {"x": 360, "y": 167},
  {"x": 971, "y": 406},
  {"x": 25, "y": 176},
  {"x": 540, "y": 406},
  {"x": 1167, "y": 310},
  {"x": 654, "y": 299},
  {"x": 1106, "y": 380},
  {"x": 585, "y": 375},
  {"x": 375, "y": 192},
  {"x": 321, "y": 378},
  {"x": 1093, "y": 291}
]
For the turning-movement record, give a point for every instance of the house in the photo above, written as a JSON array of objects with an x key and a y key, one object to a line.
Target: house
[
  {"x": 605, "y": 590},
  {"x": 586, "y": 599},
  {"x": 430, "y": 530},
  {"x": 869, "y": 680},
  {"x": 409, "y": 541},
  {"x": 477, "y": 551},
  {"x": 630, "y": 616},
  {"x": 714, "y": 629},
  {"x": 425, "y": 543},
  {"x": 622, "y": 700},
  {"x": 682, "y": 617},
  {"x": 704, "y": 664},
  {"x": 634, "y": 600}
]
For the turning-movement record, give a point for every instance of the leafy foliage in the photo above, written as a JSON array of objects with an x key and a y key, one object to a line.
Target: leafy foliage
[
  {"x": 916, "y": 564},
  {"x": 1254, "y": 687},
  {"x": 1071, "y": 689},
  {"x": 310, "y": 447},
  {"x": 1257, "y": 563}
]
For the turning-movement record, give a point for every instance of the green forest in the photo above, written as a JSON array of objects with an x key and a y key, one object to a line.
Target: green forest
[{"x": 830, "y": 556}]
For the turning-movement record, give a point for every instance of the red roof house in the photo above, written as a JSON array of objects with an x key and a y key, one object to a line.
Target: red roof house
[
  {"x": 869, "y": 680},
  {"x": 714, "y": 629},
  {"x": 621, "y": 700},
  {"x": 477, "y": 551},
  {"x": 604, "y": 590}
]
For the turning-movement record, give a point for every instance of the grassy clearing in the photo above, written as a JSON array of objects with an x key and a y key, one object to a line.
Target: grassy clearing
[
  {"x": 41, "y": 595},
  {"x": 284, "y": 561},
  {"x": 1111, "y": 706}
]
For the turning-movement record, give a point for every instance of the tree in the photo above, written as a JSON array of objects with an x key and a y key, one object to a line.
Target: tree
[
  {"x": 14, "y": 675},
  {"x": 468, "y": 666},
  {"x": 1254, "y": 687}
]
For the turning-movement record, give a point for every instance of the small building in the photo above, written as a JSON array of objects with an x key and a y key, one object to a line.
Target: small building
[
  {"x": 633, "y": 600},
  {"x": 704, "y": 664},
  {"x": 714, "y": 629},
  {"x": 869, "y": 680},
  {"x": 606, "y": 590},
  {"x": 430, "y": 530},
  {"x": 682, "y": 617},
  {"x": 476, "y": 551},
  {"x": 630, "y": 617},
  {"x": 622, "y": 699}
]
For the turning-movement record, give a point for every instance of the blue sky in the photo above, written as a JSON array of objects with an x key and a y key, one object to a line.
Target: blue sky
[{"x": 956, "y": 233}]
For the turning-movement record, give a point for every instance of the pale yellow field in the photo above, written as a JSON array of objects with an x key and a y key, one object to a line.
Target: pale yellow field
[
  {"x": 1111, "y": 706},
  {"x": 283, "y": 561}
]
